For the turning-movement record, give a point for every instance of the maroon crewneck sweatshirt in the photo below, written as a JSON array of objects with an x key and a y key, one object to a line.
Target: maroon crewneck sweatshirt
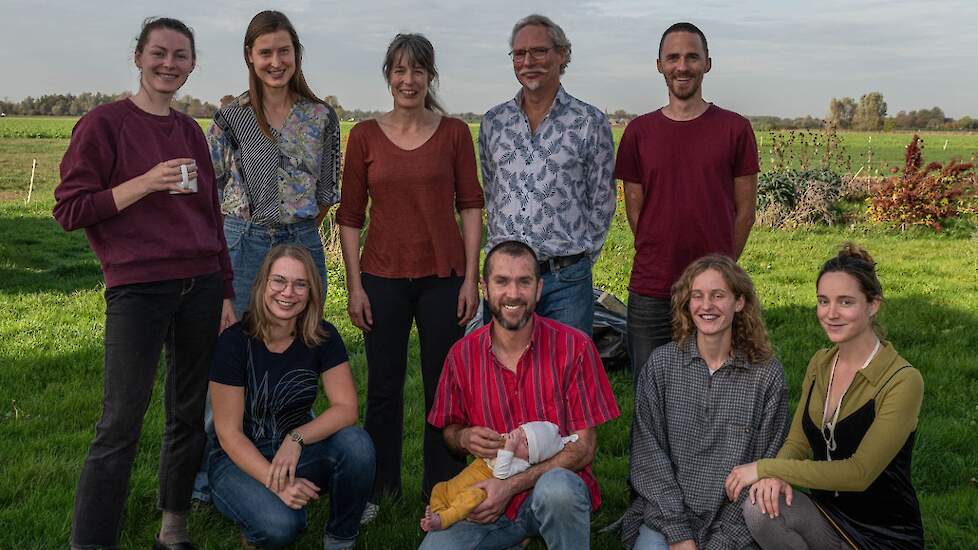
[{"x": 161, "y": 236}]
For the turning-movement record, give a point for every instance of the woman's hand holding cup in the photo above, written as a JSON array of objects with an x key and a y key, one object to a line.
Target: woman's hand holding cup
[{"x": 169, "y": 176}]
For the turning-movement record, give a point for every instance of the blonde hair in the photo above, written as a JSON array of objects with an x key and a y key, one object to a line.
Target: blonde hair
[
  {"x": 258, "y": 323},
  {"x": 749, "y": 332}
]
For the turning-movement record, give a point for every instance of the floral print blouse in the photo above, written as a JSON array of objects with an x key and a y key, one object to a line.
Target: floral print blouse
[{"x": 276, "y": 182}]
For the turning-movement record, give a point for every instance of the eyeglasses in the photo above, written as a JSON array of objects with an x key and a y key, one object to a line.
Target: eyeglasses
[
  {"x": 278, "y": 284},
  {"x": 536, "y": 53}
]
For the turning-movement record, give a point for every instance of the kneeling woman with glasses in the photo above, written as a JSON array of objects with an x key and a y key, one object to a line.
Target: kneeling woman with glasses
[
  {"x": 852, "y": 435},
  {"x": 274, "y": 458}
]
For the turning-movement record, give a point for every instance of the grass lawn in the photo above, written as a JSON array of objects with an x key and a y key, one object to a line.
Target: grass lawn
[{"x": 51, "y": 368}]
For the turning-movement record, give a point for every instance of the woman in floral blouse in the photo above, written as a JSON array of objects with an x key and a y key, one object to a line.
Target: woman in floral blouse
[{"x": 276, "y": 155}]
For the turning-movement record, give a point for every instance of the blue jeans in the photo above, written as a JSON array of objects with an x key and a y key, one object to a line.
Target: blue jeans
[
  {"x": 180, "y": 317},
  {"x": 567, "y": 297},
  {"x": 650, "y": 539},
  {"x": 558, "y": 509},
  {"x": 649, "y": 326},
  {"x": 248, "y": 243},
  {"x": 342, "y": 464}
]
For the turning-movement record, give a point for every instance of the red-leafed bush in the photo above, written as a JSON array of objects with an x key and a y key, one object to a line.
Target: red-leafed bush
[{"x": 924, "y": 194}]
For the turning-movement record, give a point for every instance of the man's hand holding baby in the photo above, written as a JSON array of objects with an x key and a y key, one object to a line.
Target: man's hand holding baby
[{"x": 480, "y": 441}]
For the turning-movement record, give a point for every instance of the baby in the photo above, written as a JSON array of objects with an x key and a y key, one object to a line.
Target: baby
[{"x": 454, "y": 499}]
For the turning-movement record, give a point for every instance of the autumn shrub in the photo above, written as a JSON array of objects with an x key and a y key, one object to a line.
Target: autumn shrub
[
  {"x": 791, "y": 198},
  {"x": 924, "y": 194}
]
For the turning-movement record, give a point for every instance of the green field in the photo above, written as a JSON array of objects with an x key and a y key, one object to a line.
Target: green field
[
  {"x": 872, "y": 152},
  {"x": 51, "y": 365}
]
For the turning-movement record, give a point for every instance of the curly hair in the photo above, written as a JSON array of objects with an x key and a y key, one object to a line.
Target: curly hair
[{"x": 749, "y": 332}]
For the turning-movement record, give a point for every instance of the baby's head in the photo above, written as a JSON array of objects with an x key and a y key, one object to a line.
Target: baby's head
[
  {"x": 517, "y": 441},
  {"x": 538, "y": 441}
]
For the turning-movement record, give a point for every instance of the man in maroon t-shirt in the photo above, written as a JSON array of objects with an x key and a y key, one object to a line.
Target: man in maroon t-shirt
[{"x": 690, "y": 174}]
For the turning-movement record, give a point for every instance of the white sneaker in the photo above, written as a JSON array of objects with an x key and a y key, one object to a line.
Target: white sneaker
[{"x": 369, "y": 513}]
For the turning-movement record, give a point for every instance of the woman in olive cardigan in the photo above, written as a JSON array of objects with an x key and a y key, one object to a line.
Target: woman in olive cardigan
[{"x": 852, "y": 435}]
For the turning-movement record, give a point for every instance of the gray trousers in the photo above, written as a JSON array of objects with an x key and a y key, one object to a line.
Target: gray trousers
[{"x": 798, "y": 527}]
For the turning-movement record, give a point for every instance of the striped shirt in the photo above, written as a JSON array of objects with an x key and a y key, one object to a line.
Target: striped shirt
[
  {"x": 277, "y": 182},
  {"x": 559, "y": 378}
]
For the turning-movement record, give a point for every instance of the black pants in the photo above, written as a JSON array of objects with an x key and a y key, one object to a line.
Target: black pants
[
  {"x": 181, "y": 316},
  {"x": 432, "y": 302}
]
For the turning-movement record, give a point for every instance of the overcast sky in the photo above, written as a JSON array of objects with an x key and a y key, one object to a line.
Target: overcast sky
[{"x": 784, "y": 58}]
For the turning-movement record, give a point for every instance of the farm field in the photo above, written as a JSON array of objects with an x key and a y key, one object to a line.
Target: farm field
[
  {"x": 51, "y": 358},
  {"x": 874, "y": 152}
]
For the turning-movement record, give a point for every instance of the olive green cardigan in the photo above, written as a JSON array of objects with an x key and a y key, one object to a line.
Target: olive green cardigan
[{"x": 896, "y": 407}]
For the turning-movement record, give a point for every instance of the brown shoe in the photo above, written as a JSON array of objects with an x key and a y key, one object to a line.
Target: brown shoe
[{"x": 247, "y": 545}]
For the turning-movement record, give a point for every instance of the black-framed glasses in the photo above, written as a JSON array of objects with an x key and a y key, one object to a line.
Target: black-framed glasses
[
  {"x": 536, "y": 53},
  {"x": 278, "y": 284}
]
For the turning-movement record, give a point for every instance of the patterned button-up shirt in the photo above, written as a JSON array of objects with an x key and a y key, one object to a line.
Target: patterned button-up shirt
[
  {"x": 553, "y": 189},
  {"x": 689, "y": 430},
  {"x": 281, "y": 181},
  {"x": 559, "y": 378}
]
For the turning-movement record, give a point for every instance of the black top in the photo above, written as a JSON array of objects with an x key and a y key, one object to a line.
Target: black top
[
  {"x": 886, "y": 514},
  {"x": 280, "y": 388}
]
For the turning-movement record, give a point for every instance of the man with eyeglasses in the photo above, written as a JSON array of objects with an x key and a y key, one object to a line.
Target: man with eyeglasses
[
  {"x": 547, "y": 161},
  {"x": 690, "y": 176}
]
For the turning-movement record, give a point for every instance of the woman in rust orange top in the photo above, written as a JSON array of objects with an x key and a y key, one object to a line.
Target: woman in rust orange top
[{"x": 417, "y": 168}]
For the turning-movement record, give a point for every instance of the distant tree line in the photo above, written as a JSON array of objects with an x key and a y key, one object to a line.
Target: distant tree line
[
  {"x": 77, "y": 105},
  {"x": 764, "y": 123},
  {"x": 869, "y": 113}
]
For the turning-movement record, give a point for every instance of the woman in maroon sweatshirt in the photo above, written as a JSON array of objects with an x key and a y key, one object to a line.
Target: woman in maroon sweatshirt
[{"x": 127, "y": 178}]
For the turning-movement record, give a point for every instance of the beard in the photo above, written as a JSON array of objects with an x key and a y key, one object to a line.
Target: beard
[
  {"x": 497, "y": 314},
  {"x": 682, "y": 94}
]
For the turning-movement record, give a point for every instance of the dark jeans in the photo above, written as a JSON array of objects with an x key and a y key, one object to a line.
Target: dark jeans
[
  {"x": 431, "y": 302},
  {"x": 342, "y": 465},
  {"x": 649, "y": 326},
  {"x": 181, "y": 316},
  {"x": 568, "y": 296}
]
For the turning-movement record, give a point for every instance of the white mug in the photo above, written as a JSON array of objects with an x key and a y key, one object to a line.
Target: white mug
[{"x": 188, "y": 183}]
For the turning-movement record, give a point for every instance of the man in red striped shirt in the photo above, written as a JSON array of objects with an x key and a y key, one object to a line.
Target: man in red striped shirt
[{"x": 519, "y": 368}]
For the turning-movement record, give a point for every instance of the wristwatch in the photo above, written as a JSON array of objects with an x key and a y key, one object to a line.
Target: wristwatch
[{"x": 297, "y": 437}]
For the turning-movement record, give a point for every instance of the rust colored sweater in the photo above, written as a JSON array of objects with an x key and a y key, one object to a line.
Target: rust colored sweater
[{"x": 413, "y": 197}]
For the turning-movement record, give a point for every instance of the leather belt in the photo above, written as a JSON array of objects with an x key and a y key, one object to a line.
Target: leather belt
[{"x": 560, "y": 262}]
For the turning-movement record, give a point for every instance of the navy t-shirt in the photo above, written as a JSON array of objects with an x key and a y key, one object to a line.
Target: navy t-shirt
[{"x": 280, "y": 388}]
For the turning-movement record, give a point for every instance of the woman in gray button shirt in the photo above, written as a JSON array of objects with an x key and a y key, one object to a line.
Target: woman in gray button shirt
[{"x": 712, "y": 398}]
